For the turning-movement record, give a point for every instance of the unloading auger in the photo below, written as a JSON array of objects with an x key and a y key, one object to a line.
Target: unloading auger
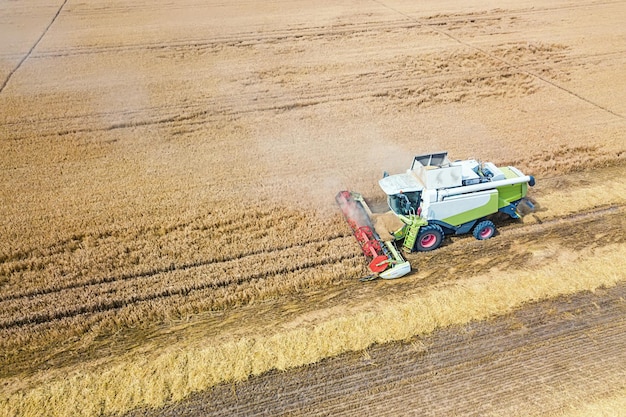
[{"x": 384, "y": 259}]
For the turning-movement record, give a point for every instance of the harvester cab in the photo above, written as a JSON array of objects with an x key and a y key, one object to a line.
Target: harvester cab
[{"x": 434, "y": 198}]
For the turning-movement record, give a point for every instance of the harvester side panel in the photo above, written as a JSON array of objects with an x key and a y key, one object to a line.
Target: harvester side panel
[{"x": 463, "y": 208}]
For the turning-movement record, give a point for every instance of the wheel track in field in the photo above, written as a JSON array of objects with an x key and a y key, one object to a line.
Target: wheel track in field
[
  {"x": 223, "y": 225},
  {"x": 149, "y": 273},
  {"x": 303, "y": 33},
  {"x": 156, "y": 271},
  {"x": 29, "y": 53},
  {"x": 240, "y": 39},
  {"x": 534, "y": 74},
  {"x": 164, "y": 289},
  {"x": 542, "y": 351},
  {"x": 216, "y": 225}
]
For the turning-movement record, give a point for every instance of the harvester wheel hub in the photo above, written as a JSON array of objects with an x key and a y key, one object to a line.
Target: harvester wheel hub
[{"x": 428, "y": 240}]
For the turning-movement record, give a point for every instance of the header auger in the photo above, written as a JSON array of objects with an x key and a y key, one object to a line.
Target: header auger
[
  {"x": 434, "y": 198},
  {"x": 384, "y": 260}
]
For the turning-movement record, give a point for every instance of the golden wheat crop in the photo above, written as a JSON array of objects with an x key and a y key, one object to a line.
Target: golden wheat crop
[
  {"x": 165, "y": 165},
  {"x": 123, "y": 281}
]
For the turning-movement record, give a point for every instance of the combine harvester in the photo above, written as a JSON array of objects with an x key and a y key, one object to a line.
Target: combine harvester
[{"x": 434, "y": 198}]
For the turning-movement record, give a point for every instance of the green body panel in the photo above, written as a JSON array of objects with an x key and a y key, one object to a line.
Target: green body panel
[
  {"x": 510, "y": 193},
  {"x": 476, "y": 213}
]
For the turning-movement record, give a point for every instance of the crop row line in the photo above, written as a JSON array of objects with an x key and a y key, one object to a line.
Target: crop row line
[
  {"x": 221, "y": 225},
  {"x": 113, "y": 304},
  {"x": 172, "y": 267}
]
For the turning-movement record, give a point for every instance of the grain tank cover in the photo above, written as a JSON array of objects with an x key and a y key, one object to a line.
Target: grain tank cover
[
  {"x": 436, "y": 171},
  {"x": 431, "y": 159}
]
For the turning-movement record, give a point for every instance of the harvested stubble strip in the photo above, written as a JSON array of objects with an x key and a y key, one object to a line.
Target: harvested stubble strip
[
  {"x": 569, "y": 201},
  {"x": 180, "y": 370}
]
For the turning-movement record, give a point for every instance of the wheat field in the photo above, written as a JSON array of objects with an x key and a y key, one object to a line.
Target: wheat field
[{"x": 168, "y": 172}]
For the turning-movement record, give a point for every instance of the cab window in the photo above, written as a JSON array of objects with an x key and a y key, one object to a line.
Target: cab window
[{"x": 404, "y": 203}]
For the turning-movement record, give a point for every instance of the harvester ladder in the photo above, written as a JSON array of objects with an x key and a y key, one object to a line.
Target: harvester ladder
[{"x": 411, "y": 236}]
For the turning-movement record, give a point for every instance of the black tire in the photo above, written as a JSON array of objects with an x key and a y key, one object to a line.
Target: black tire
[
  {"x": 484, "y": 230},
  {"x": 429, "y": 238}
]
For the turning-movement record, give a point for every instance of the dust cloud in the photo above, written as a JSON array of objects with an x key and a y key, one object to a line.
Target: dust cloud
[{"x": 306, "y": 164}]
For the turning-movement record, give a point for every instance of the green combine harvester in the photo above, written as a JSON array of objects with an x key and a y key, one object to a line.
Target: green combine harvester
[{"x": 434, "y": 198}]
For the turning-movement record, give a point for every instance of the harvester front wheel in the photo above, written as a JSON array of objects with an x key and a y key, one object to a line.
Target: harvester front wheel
[
  {"x": 429, "y": 238},
  {"x": 484, "y": 230}
]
